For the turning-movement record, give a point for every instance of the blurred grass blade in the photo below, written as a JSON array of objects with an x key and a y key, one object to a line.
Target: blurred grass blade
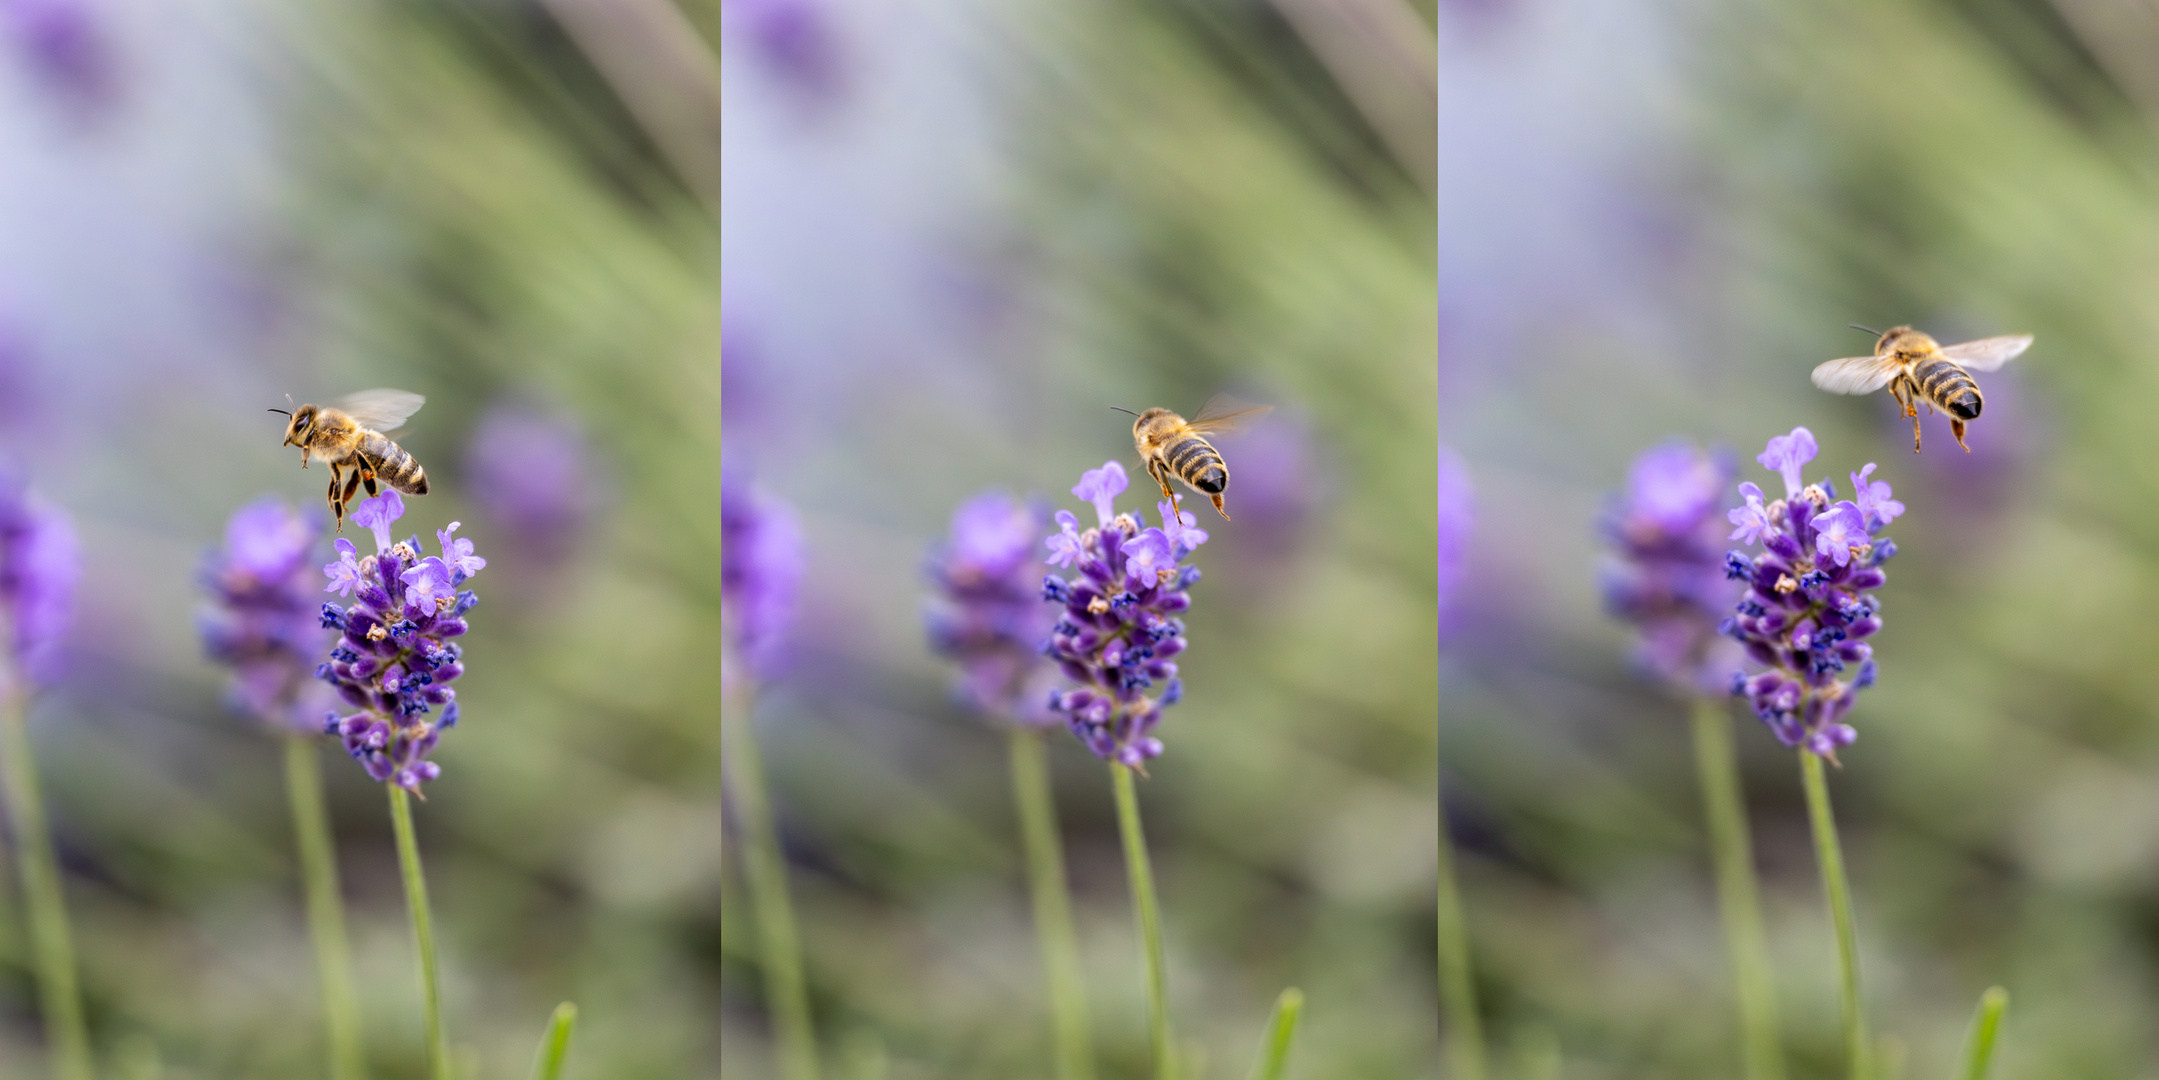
[
  {"x": 1830, "y": 854},
  {"x": 325, "y": 909},
  {"x": 1150, "y": 920},
  {"x": 52, "y": 948},
  {"x": 1281, "y": 1032},
  {"x": 1052, "y": 905},
  {"x": 1457, "y": 989},
  {"x": 1979, "y": 1044},
  {"x": 555, "y": 1045},
  {"x": 1738, "y": 900}
]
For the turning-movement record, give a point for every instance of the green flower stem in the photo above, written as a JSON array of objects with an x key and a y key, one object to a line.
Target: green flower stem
[
  {"x": 1150, "y": 920},
  {"x": 65, "y": 1032},
  {"x": 1052, "y": 904},
  {"x": 1979, "y": 1044},
  {"x": 1831, "y": 858},
  {"x": 1736, "y": 893},
  {"x": 1457, "y": 990},
  {"x": 1281, "y": 1032},
  {"x": 555, "y": 1045},
  {"x": 787, "y": 993},
  {"x": 423, "y": 930},
  {"x": 325, "y": 911}
]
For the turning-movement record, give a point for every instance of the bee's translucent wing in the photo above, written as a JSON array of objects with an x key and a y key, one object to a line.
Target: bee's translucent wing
[
  {"x": 1855, "y": 374},
  {"x": 383, "y": 410},
  {"x": 1225, "y": 413},
  {"x": 1986, "y": 354}
]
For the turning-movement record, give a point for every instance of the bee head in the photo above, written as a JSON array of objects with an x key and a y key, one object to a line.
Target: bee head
[
  {"x": 1901, "y": 339},
  {"x": 302, "y": 423}
]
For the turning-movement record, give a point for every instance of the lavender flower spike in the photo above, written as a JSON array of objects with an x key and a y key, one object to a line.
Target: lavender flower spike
[
  {"x": 1669, "y": 578},
  {"x": 265, "y": 623},
  {"x": 990, "y": 616},
  {"x": 1809, "y": 601},
  {"x": 397, "y": 655},
  {"x": 39, "y": 564},
  {"x": 1119, "y": 628},
  {"x": 761, "y": 568}
]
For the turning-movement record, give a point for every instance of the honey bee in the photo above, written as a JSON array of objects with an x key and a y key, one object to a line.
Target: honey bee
[
  {"x": 348, "y": 434},
  {"x": 1916, "y": 369},
  {"x": 1170, "y": 445}
]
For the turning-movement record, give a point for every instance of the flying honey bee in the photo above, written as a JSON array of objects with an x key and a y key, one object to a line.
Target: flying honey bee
[
  {"x": 1170, "y": 445},
  {"x": 349, "y": 435},
  {"x": 1916, "y": 369}
]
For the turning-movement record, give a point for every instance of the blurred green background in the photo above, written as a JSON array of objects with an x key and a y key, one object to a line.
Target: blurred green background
[
  {"x": 1670, "y": 213},
  {"x": 956, "y": 233}
]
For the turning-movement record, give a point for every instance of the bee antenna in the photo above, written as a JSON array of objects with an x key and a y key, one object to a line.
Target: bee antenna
[
  {"x": 1127, "y": 412},
  {"x": 1866, "y": 329},
  {"x": 280, "y": 411}
]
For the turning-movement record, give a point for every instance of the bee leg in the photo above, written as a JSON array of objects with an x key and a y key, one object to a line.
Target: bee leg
[
  {"x": 1218, "y": 507},
  {"x": 1160, "y": 472},
  {"x": 1956, "y": 428},
  {"x": 337, "y": 505},
  {"x": 1915, "y": 431},
  {"x": 352, "y": 486},
  {"x": 367, "y": 477}
]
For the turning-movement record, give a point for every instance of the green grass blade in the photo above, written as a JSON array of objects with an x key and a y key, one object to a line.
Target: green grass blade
[
  {"x": 555, "y": 1045},
  {"x": 1281, "y": 1032},
  {"x": 1979, "y": 1043}
]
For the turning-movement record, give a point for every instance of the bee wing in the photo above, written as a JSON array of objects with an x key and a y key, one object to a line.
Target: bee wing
[
  {"x": 383, "y": 410},
  {"x": 1986, "y": 354},
  {"x": 1225, "y": 413},
  {"x": 1855, "y": 374}
]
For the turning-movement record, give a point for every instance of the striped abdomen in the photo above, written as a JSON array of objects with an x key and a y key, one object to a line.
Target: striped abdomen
[
  {"x": 392, "y": 465},
  {"x": 1948, "y": 387},
  {"x": 1196, "y": 463}
]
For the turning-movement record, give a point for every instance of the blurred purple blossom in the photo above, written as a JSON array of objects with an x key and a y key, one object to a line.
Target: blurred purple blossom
[
  {"x": 66, "y": 45},
  {"x": 795, "y": 41},
  {"x": 989, "y": 615},
  {"x": 1276, "y": 490},
  {"x": 397, "y": 653},
  {"x": 1119, "y": 628},
  {"x": 1457, "y": 517},
  {"x": 265, "y": 622},
  {"x": 1669, "y": 577},
  {"x": 1809, "y": 599},
  {"x": 39, "y": 565},
  {"x": 527, "y": 472},
  {"x": 761, "y": 566}
]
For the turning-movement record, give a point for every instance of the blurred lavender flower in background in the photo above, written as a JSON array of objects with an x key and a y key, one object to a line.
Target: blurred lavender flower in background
[
  {"x": 1276, "y": 491},
  {"x": 266, "y": 623},
  {"x": 39, "y": 565},
  {"x": 1457, "y": 517},
  {"x": 990, "y": 617},
  {"x": 527, "y": 471},
  {"x": 396, "y": 657},
  {"x": 1809, "y": 599},
  {"x": 1670, "y": 580},
  {"x": 761, "y": 566},
  {"x": 65, "y": 46},
  {"x": 1119, "y": 629},
  {"x": 795, "y": 41}
]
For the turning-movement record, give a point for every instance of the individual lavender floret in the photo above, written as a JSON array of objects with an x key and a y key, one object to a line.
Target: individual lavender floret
[
  {"x": 1119, "y": 628},
  {"x": 761, "y": 566},
  {"x": 39, "y": 564},
  {"x": 1670, "y": 581},
  {"x": 991, "y": 619},
  {"x": 397, "y": 655},
  {"x": 266, "y": 623},
  {"x": 1809, "y": 602}
]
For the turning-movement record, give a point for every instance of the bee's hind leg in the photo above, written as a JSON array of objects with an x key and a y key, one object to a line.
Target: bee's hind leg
[
  {"x": 1956, "y": 428},
  {"x": 337, "y": 503},
  {"x": 1218, "y": 507}
]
